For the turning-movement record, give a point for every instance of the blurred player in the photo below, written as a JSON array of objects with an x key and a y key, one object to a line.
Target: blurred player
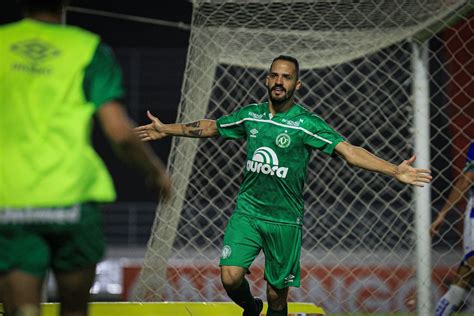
[
  {"x": 458, "y": 290},
  {"x": 280, "y": 136},
  {"x": 53, "y": 79}
]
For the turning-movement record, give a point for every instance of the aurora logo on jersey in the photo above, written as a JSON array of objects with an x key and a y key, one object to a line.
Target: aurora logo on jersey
[{"x": 265, "y": 161}]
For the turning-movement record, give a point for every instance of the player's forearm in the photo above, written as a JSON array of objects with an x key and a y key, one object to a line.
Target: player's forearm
[
  {"x": 197, "y": 129},
  {"x": 361, "y": 158},
  {"x": 458, "y": 192},
  {"x": 139, "y": 155},
  {"x": 119, "y": 130}
]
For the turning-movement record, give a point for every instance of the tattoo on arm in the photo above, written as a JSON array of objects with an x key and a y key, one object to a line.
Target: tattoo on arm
[{"x": 192, "y": 129}]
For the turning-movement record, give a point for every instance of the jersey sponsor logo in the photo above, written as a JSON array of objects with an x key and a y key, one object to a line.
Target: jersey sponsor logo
[
  {"x": 283, "y": 140},
  {"x": 265, "y": 161},
  {"x": 256, "y": 116},
  {"x": 226, "y": 252},
  {"x": 292, "y": 123},
  {"x": 61, "y": 215},
  {"x": 35, "y": 52}
]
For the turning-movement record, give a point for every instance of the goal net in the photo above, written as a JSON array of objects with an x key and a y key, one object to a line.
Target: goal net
[{"x": 356, "y": 67}]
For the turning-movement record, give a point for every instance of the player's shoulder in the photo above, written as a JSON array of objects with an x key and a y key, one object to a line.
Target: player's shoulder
[
  {"x": 256, "y": 106},
  {"x": 80, "y": 32},
  {"x": 306, "y": 116},
  {"x": 8, "y": 26},
  {"x": 254, "y": 110}
]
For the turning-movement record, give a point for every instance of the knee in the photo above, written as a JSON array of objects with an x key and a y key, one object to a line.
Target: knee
[{"x": 231, "y": 279}]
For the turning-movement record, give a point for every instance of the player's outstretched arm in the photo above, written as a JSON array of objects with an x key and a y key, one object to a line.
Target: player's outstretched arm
[
  {"x": 404, "y": 172},
  {"x": 157, "y": 130},
  {"x": 458, "y": 191},
  {"x": 119, "y": 130}
]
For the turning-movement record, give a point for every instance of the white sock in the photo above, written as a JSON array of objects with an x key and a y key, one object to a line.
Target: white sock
[{"x": 450, "y": 301}]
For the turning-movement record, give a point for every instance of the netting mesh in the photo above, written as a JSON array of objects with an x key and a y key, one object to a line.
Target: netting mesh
[{"x": 359, "y": 237}]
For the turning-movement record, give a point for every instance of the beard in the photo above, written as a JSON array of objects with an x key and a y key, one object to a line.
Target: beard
[{"x": 278, "y": 100}]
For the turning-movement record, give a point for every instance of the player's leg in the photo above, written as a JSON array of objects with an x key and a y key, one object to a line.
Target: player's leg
[
  {"x": 241, "y": 245},
  {"x": 277, "y": 301},
  {"x": 3, "y": 286},
  {"x": 238, "y": 289},
  {"x": 76, "y": 252},
  {"x": 282, "y": 248},
  {"x": 458, "y": 290},
  {"x": 23, "y": 294},
  {"x": 24, "y": 259},
  {"x": 73, "y": 290},
  {"x": 465, "y": 274}
]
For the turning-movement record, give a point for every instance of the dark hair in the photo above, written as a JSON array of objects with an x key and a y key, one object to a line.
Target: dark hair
[
  {"x": 291, "y": 60},
  {"x": 42, "y": 5}
]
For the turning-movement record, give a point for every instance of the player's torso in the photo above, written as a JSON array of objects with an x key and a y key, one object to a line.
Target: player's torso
[
  {"x": 275, "y": 148},
  {"x": 275, "y": 169}
]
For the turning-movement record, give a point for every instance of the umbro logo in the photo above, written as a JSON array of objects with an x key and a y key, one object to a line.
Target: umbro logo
[
  {"x": 289, "y": 278},
  {"x": 253, "y": 133},
  {"x": 35, "y": 50}
]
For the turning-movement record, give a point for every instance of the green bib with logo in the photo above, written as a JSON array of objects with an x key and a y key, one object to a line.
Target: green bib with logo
[{"x": 46, "y": 156}]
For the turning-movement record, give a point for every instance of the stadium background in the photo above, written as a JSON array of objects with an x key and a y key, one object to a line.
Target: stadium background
[{"x": 155, "y": 87}]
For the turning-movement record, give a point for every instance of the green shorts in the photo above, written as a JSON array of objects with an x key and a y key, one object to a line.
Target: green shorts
[
  {"x": 245, "y": 236},
  {"x": 64, "y": 239}
]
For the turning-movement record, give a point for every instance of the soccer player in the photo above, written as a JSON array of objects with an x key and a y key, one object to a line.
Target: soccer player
[
  {"x": 53, "y": 79},
  {"x": 465, "y": 272},
  {"x": 280, "y": 135}
]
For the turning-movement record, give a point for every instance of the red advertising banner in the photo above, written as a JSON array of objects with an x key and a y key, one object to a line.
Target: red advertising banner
[{"x": 335, "y": 288}]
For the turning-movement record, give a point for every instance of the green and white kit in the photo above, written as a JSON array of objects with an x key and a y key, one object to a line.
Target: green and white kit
[{"x": 278, "y": 152}]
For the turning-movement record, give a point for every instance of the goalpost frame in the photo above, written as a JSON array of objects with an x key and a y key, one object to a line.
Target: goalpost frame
[{"x": 421, "y": 106}]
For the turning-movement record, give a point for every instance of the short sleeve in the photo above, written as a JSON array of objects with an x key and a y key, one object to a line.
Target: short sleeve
[
  {"x": 319, "y": 135},
  {"x": 103, "y": 77},
  {"x": 232, "y": 125}
]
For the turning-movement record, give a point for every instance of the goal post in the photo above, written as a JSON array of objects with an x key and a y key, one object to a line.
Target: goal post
[
  {"x": 359, "y": 68},
  {"x": 422, "y": 197}
]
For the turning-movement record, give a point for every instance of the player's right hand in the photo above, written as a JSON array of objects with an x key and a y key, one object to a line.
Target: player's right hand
[
  {"x": 436, "y": 224},
  {"x": 150, "y": 131}
]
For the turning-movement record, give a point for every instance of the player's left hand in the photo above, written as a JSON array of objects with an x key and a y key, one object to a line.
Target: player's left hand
[
  {"x": 409, "y": 175},
  {"x": 150, "y": 131}
]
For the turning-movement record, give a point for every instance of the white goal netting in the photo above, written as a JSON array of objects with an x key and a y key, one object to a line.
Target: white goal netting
[{"x": 357, "y": 74}]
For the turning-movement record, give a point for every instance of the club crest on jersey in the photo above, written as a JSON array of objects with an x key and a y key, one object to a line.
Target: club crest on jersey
[
  {"x": 226, "y": 251},
  {"x": 283, "y": 140},
  {"x": 265, "y": 161}
]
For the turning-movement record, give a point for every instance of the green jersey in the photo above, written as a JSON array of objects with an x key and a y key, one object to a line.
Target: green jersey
[{"x": 278, "y": 151}]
